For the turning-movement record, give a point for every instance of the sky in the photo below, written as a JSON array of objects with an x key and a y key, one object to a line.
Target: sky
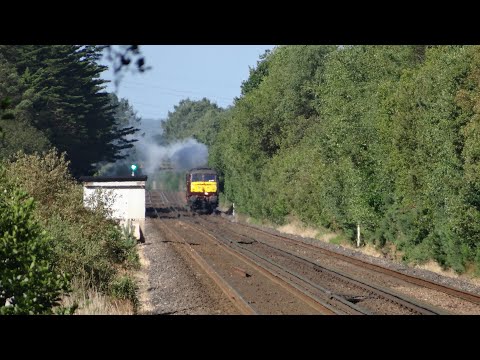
[{"x": 180, "y": 71}]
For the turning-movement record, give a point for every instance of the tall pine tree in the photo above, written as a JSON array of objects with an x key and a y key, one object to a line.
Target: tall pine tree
[{"x": 69, "y": 104}]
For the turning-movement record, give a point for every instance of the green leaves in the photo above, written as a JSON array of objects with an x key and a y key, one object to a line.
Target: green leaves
[
  {"x": 384, "y": 136},
  {"x": 56, "y": 92},
  {"x": 29, "y": 282},
  {"x": 257, "y": 74},
  {"x": 192, "y": 119}
]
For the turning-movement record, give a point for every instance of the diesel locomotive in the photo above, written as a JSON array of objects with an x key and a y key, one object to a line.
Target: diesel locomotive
[{"x": 202, "y": 190}]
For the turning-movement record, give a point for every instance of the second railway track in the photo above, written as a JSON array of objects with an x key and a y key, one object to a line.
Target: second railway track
[
  {"x": 230, "y": 271},
  {"x": 329, "y": 289}
]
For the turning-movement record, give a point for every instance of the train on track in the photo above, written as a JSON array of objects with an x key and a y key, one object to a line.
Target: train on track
[{"x": 202, "y": 190}]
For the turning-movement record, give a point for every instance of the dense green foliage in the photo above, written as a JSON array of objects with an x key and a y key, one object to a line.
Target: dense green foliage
[
  {"x": 18, "y": 133},
  {"x": 53, "y": 97},
  {"x": 82, "y": 243},
  {"x": 86, "y": 244},
  {"x": 126, "y": 118},
  {"x": 54, "y": 91},
  {"x": 382, "y": 136},
  {"x": 257, "y": 74},
  {"x": 197, "y": 119},
  {"x": 29, "y": 282}
]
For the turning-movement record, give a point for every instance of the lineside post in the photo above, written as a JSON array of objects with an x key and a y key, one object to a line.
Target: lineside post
[{"x": 358, "y": 235}]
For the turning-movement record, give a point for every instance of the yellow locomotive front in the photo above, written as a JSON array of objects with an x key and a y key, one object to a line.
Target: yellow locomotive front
[{"x": 202, "y": 189}]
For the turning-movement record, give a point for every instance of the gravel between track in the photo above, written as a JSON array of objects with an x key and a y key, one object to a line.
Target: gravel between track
[
  {"x": 425, "y": 274},
  {"x": 170, "y": 283}
]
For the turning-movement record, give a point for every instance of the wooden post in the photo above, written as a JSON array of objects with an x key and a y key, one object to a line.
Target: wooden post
[{"x": 358, "y": 235}]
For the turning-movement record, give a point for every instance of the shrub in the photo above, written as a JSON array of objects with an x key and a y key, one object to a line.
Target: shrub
[
  {"x": 84, "y": 243},
  {"x": 125, "y": 288},
  {"x": 29, "y": 282}
]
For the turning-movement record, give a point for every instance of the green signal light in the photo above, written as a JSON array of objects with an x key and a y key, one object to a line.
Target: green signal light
[{"x": 133, "y": 167}]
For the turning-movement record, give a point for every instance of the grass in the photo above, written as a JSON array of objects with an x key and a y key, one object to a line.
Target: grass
[
  {"x": 90, "y": 301},
  {"x": 338, "y": 240}
]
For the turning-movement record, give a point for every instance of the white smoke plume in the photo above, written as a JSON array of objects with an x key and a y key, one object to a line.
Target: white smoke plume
[
  {"x": 153, "y": 157},
  {"x": 181, "y": 155}
]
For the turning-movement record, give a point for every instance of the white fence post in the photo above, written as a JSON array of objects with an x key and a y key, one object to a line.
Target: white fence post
[{"x": 358, "y": 235}]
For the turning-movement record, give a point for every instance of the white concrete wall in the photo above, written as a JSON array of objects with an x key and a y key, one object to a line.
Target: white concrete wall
[{"x": 126, "y": 199}]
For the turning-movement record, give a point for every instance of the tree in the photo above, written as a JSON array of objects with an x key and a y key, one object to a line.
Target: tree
[
  {"x": 68, "y": 104},
  {"x": 273, "y": 116},
  {"x": 16, "y": 132},
  {"x": 126, "y": 118},
  {"x": 257, "y": 74},
  {"x": 190, "y": 118}
]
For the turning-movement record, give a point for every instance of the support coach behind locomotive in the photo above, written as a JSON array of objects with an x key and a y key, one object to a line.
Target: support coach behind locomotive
[{"x": 202, "y": 190}]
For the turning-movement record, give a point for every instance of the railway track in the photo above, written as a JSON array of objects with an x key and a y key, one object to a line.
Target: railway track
[
  {"x": 244, "y": 306},
  {"x": 237, "y": 300},
  {"x": 326, "y": 289},
  {"x": 243, "y": 266},
  {"x": 356, "y": 296},
  {"x": 473, "y": 298}
]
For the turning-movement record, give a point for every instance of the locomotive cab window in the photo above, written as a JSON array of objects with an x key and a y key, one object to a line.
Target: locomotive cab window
[
  {"x": 197, "y": 177},
  {"x": 209, "y": 177}
]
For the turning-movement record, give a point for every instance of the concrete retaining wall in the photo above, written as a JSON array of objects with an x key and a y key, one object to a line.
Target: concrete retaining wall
[{"x": 124, "y": 196}]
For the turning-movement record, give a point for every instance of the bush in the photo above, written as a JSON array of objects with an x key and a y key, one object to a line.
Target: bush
[
  {"x": 29, "y": 283},
  {"x": 125, "y": 288},
  {"x": 91, "y": 247},
  {"x": 47, "y": 179},
  {"x": 84, "y": 243}
]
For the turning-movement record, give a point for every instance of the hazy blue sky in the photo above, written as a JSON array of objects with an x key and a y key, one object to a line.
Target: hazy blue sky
[{"x": 180, "y": 71}]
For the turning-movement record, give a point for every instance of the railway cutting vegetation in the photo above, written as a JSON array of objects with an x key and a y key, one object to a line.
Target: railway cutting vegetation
[
  {"x": 381, "y": 139},
  {"x": 384, "y": 138},
  {"x": 56, "y": 257}
]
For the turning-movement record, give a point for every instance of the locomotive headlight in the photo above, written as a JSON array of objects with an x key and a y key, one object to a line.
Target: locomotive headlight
[{"x": 206, "y": 193}]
